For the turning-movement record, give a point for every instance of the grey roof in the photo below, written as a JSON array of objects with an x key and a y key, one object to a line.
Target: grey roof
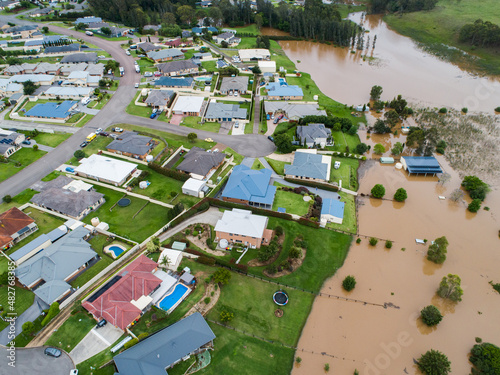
[
  {"x": 159, "y": 98},
  {"x": 165, "y": 53},
  {"x": 73, "y": 47},
  {"x": 200, "y": 55},
  {"x": 175, "y": 66},
  {"x": 133, "y": 143},
  {"x": 228, "y": 111},
  {"x": 16, "y": 29},
  {"x": 160, "y": 350},
  {"x": 146, "y": 46},
  {"x": 80, "y": 57},
  {"x": 55, "y": 263},
  {"x": 294, "y": 110},
  {"x": 45, "y": 67},
  {"x": 97, "y": 25},
  {"x": 152, "y": 27},
  {"x": 29, "y": 247},
  {"x": 307, "y": 165},
  {"x": 239, "y": 83},
  {"x": 57, "y": 233},
  {"x": 4, "y": 148},
  {"x": 312, "y": 132},
  {"x": 187, "y": 277},
  {"x": 200, "y": 162}
]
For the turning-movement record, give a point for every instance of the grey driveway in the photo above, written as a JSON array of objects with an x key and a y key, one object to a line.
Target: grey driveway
[
  {"x": 94, "y": 342},
  {"x": 211, "y": 216},
  {"x": 32, "y": 361},
  {"x": 248, "y": 162},
  {"x": 40, "y": 147}
]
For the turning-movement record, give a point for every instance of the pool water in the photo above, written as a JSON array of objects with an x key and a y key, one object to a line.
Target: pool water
[
  {"x": 203, "y": 78},
  {"x": 168, "y": 301},
  {"x": 116, "y": 250}
]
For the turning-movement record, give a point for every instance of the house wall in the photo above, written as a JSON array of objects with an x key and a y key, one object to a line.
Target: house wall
[
  {"x": 142, "y": 157},
  {"x": 238, "y": 238},
  {"x": 305, "y": 178},
  {"x": 234, "y": 200},
  {"x": 331, "y": 219},
  {"x": 181, "y": 72},
  {"x": 270, "y": 97}
]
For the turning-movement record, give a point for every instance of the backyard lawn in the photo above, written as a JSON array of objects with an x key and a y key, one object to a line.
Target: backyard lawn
[
  {"x": 23, "y": 299},
  {"x": 347, "y": 172},
  {"x": 194, "y": 123},
  {"x": 51, "y": 140},
  {"x": 349, "y": 223},
  {"x": 277, "y": 165},
  {"x": 18, "y": 200},
  {"x": 73, "y": 330},
  {"x": 209, "y": 66},
  {"x": 291, "y": 202},
  {"x": 341, "y": 140},
  {"x": 25, "y": 156}
]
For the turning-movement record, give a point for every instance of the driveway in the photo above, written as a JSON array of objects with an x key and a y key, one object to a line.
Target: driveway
[
  {"x": 40, "y": 147},
  {"x": 211, "y": 216},
  {"x": 32, "y": 361},
  {"x": 240, "y": 130},
  {"x": 225, "y": 127},
  {"x": 176, "y": 119},
  {"x": 94, "y": 342}
]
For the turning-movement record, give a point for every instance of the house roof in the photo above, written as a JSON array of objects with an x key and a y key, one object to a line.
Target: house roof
[
  {"x": 280, "y": 89},
  {"x": 193, "y": 184},
  {"x": 307, "y": 165},
  {"x": 55, "y": 263},
  {"x": 102, "y": 167},
  {"x": 239, "y": 83},
  {"x": 146, "y": 46},
  {"x": 153, "y": 27},
  {"x": 312, "y": 132},
  {"x": 29, "y": 247},
  {"x": 131, "y": 142},
  {"x": 35, "y": 78},
  {"x": 176, "y": 66},
  {"x": 250, "y": 184},
  {"x": 90, "y": 57},
  {"x": 88, "y": 19},
  {"x": 200, "y": 162},
  {"x": 69, "y": 91},
  {"x": 159, "y": 97},
  {"x": 422, "y": 164},
  {"x": 17, "y": 29},
  {"x": 294, "y": 111},
  {"x": 242, "y": 222},
  {"x": 199, "y": 55},
  {"x": 74, "y": 47},
  {"x": 199, "y": 30},
  {"x": 44, "y": 67},
  {"x": 165, "y": 53},
  {"x": 174, "y": 81},
  {"x": 332, "y": 207},
  {"x": 97, "y": 25},
  {"x": 254, "y": 54},
  {"x": 222, "y": 110},
  {"x": 51, "y": 110},
  {"x": 113, "y": 301},
  {"x": 160, "y": 350},
  {"x": 189, "y": 103},
  {"x": 12, "y": 221},
  {"x": 225, "y": 36}
]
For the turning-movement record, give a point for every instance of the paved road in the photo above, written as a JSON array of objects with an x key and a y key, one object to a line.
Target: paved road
[{"x": 32, "y": 361}]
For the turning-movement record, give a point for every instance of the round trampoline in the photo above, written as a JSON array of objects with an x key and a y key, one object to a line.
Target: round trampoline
[
  {"x": 280, "y": 298},
  {"x": 124, "y": 202}
]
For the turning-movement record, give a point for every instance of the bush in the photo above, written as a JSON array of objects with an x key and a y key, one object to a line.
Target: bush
[
  {"x": 358, "y": 240},
  {"x": 476, "y": 187},
  {"x": 79, "y": 154},
  {"x": 272, "y": 269},
  {"x": 221, "y": 276},
  {"x": 388, "y": 244},
  {"x": 206, "y": 260},
  {"x": 278, "y": 230},
  {"x": 431, "y": 315},
  {"x": 206, "y": 300},
  {"x": 400, "y": 195},
  {"x": 130, "y": 343},
  {"x": 465, "y": 110},
  {"x": 373, "y": 241},
  {"x": 226, "y": 316},
  {"x": 486, "y": 359},
  {"x": 497, "y": 109},
  {"x": 53, "y": 311},
  {"x": 443, "y": 110},
  {"x": 169, "y": 172},
  {"x": 378, "y": 191},
  {"x": 142, "y": 336},
  {"x": 349, "y": 283},
  {"x": 295, "y": 253},
  {"x": 475, "y": 205},
  {"x": 379, "y": 149},
  {"x": 28, "y": 328},
  {"x": 7, "y": 198},
  {"x": 434, "y": 363}
]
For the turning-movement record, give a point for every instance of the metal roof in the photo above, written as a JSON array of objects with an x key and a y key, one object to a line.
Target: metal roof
[
  {"x": 422, "y": 164},
  {"x": 52, "y": 110},
  {"x": 101, "y": 167},
  {"x": 80, "y": 57},
  {"x": 307, "y": 165},
  {"x": 280, "y": 89},
  {"x": 165, "y": 53},
  {"x": 133, "y": 143},
  {"x": 227, "y": 111},
  {"x": 294, "y": 111},
  {"x": 250, "y": 184},
  {"x": 29, "y": 247},
  {"x": 239, "y": 83},
  {"x": 242, "y": 222},
  {"x": 200, "y": 162},
  {"x": 176, "y": 66},
  {"x": 312, "y": 132},
  {"x": 332, "y": 207},
  {"x": 174, "y": 81}
]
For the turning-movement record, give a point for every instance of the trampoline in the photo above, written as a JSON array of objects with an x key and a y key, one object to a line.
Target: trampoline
[
  {"x": 280, "y": 298},
  {"x": 124, "y": 202}
]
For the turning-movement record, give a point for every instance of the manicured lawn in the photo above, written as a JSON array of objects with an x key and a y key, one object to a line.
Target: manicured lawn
[
  {"x": 349, "y": 223},
  {"x": 25, "y": 156},
  {"x": 246, "y": 43},
  {"x": 342, "y": 141},
  {"x": 194, "y": 123},
  {"x": 277, "y": 165},
  {"x": 249, "y": 128},
  {"x": 22, "y": 340},
  {"x": 4, "y": 263},
  {"x": 23, "y": 299},
  {"x": 237, "y": 157},
  {"x": 18, "y": 200},
  {"x": 291, "y": 202},
  {"x": 252, "y": 28},
  {"x": 136, "y": 110},
  {"x": 121, "y": 220},
  {"x": 257, "y": 164},
  {"x": 347, "y": 172},
  {"x": 210, "y": 66},
  {"x": 75, "y": 118},
  {"x": 99, "y": 143},
  {"x": 51, "y": 140},
  {"x": 73, "y": 330}
]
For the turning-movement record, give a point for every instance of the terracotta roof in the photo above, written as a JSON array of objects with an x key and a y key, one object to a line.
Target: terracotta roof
[
  {"x": 11, "y": 222},
  {"x": 135, "y": 281}
]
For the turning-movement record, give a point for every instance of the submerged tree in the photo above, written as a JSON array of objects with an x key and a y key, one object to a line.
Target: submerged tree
[
  {"x": 434, "y": 363},
  {"x": 437, "y": 251},
  {"x": 450, "y": 288}
]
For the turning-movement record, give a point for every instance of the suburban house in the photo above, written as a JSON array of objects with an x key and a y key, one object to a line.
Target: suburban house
[
  {"x": 206, "y": 4},
  {"x": 49, "y": 272},
  {"x": 15, "y": 225},
  {"x": 81, "y": 78},
  {"x": 308, "y": 165},
  {"x": 41, "y": 12},
  {"x": 47, "y": 68},
  {"x": 8, "y": 88},
  {"x": 179, "y": 67},
  {"x": 250, "y": 186},
  {"x": 70, "y": 48},
  {"x": 9, "y": 4},
  {"x": 83, "y": 57},
  {"x": 201, "y": 56},
  {"x": 194, "y": 187},
  {"x": 167, "y": 347},
  {"x": 237, "y": 84},
  {"x": 40, "y": 79},
  {"x": 68, "y": 92},
  {"x": 92, "y": 69},
  {"x": 332, "y": 211},
  {"x": 267, "y": 66},
  {"x": 66, "y": 196},
  {"x": 148, "y": 47},
  {"x": 178, "y": 42},
  {"x": 104, "y": 169},
  {"x": 313, "y": 135},
  {"x": 52, "y": 110},
  {"x": 241, "y": 226},
  {"x": 175, "y": 82},
  {"x": 124, "y": 298},
  {"x": 21, "y": 32},
  {"x": 10, "y": 142},
  {"x": 255, "y": 54},
  {"x": 87, "y": 20},
  {"x": 152, "y": 27},
  {"x": 188, "y": 105},
  {"x": 165, "y": 55},
  {"x": 229, "y": 38},
  {"x": 224, "y": 112},
  {"x": 282, "y": 91},
  {"x": 199, "y": 163},
  {"x": 97, "y": 26},
  {"x": 426, "y": 165},
  {"x": 293, "y": 111},
  {"x": 25, "y": 68},
  {"x": 160, "y": 99},
  {"x": 7, "y": 150},
  {"x": 132, "y": 144},
  {"x": 199, "y": 30}
]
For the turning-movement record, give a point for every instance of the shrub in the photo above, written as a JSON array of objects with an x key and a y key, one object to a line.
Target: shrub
[
  {"x": 443, "y": 110},
  {"x": 388, "y": 244},
  {"x": 486, "y": 359},
  {"x": 221, "y": 276},
  {"x": 495, "y": 286},
  {"x": 79, "y": 154},
  {"x": 378, "y": 191},
  {"x": 142, "y": 336},
  {"x": 349, "y": 283},
  {"x": 272, "y": 269},
  {"x": 400, "y": 195},
  {"x": 187, "y": 232},
  {"x": 295, "y": 253},
  {"x": 431, "y": 315},
  {"x": 476, "y": 187},
  {"x": 475, "y": 205},
  {"x": 497, "y": 109},
  {"x": 53, "y": 311},
  {"x": 7, "y": 198},
  {"x": 206, "y": 260},
  {"x": 358, "y": 240},
  {"x": 278, "y": 230},
  {"x": 195, "y": 233},
  {"x": 28, "y": 328},
  {"x": 130, "y": 343},
  {"x": 206, "y": 300},
  {"x": 465, "y": 110},
  {"x": 298, "y": 359},
  {"x": 226, "y": 316},
  {"x": 379, "y": 149},
  {"x": 373, "y": 241},
  {"x": 434, "y": 363},
  {"x": 327, "y": 367}
]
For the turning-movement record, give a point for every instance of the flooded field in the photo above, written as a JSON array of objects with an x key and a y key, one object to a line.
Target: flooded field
[{"x": 375, "y": 340}]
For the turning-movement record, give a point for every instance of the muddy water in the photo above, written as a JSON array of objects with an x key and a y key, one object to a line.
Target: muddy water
[
  {"x": 398, "y": 65},
  {"x": 375, "y": 340}
]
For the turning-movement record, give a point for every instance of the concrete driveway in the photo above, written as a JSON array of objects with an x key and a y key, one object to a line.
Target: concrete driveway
[
  {"x": 240, "y": 130},
  {"x": 94, "y": 342},
  {"x": 40, "y": 147},
  {"x": 32, "y": 361}
]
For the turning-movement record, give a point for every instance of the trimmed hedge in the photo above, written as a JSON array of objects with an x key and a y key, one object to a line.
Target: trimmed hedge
[
  {"x": 169, "y": 172},
  {"x": 53, "y": 311},
  {"x": 318, "y": 185}
]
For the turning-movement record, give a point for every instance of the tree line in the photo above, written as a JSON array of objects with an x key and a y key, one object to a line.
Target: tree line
[
  {"x": 480, "y": 33},
  {"x": 401, "y": 6}
]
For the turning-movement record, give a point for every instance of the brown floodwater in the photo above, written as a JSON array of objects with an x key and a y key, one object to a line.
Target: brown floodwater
[
  {"x": 375, "y": 340},
  {"x": 398, "y": 65}
]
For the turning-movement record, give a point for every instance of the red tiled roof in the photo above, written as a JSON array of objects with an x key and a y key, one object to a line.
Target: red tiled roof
[
  {"x": 11, "y": 222},
  {"x": 115, "y": 304}
]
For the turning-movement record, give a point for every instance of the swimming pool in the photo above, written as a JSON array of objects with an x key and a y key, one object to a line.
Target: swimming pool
[
  {"x": 173, "y": 299},
  {"x": 114, "y": 250},
  {"x": 203, "y": 78},
  {"x": 282, "y": 81}
]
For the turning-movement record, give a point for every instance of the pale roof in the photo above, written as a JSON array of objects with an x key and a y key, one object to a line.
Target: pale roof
[
  {"x": 242, "y": 222},
  {"x": 257, "y": 53},
  {"x": 102, "y": 167},
  {"x": 193, "y": 184},
  {"x": 189, "y": 103}
]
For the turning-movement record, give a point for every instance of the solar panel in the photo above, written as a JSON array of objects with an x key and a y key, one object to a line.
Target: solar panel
[{"x": 103, "y": 290}]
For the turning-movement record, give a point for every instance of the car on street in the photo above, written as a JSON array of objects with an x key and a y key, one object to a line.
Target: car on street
[
  {"x": 127, "y": 53},
  {"x": 53, "y": 352},
  {"x": 98, "y": 131},
  {"x": 73, "y": 372},
  {"x": 270, "y": 138},
  {"x": 84, "y": 144},
  {"x": 104, "y": 134},
  {"x": 114, "y": 136},
  {"x": 101, "y": 323},
  {"x": 136, "y": 85},
  {"x": 84, "y": 46}
]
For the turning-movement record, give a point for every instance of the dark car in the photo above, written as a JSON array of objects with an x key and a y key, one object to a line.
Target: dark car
[
  {"x": 270, "y": 138},
  {"x": 26, "y": 142},
  {"x": 84, "y": 144},
  {"x": 101, "y": 323},
  {"x": 84, "y": 46},
  {"x": 53, "y": 352},
  {"x": 104, "y": 134}
]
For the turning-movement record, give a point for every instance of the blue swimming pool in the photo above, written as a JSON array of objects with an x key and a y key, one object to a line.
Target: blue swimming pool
[
  {"x": 282, "y": 81},
  {"x": 116, "y": 250},
  {"x": 170, "y": 300},
  {"x": 203, "y": 78}
]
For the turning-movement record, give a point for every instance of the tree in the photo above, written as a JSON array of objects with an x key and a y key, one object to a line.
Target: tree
[
  {"x": 434, "y": 363},
  {"x": 456, "y": 195},
  {"x": 256, "y": 70},
  {"x": 164, "y": 262},
  {"x": 45, "y": 29},
  {"x": 35, "y": 147},
  {"x": 380, "y": 127},
  {"x": 378, "y": 191},
  {"x": 450, "y": 288},
  {"x": 349, "y": 283},
  {"x": 185, "y": 13},
  {"x": 7, "y": 198},
  {"x": 431, "y": 315},
  {"x": 475, "y": 205},
  {"x": 221, "y": 276},
  {"x": 106, "y": 31},
  {"x": 258, "y": 20},
  {"x": 192, "y": 137},
  {"x": 397, "y": 148},
  {"x": 376, "y": 91},
  {"x": 379, "y": 149},
  {"x": 224, "y": 44},
  {"x": 79, "y": 154},
  {"x": 151, "y": 247},
  {"x": 476, "y": 187},
  {"x": 486, "y": 359},
  {"x": 437, "y": 250},
  {"x": 400, "y": 195},
  {"x": 361, "y": 148},
  {"x": 415, "y": 138},
  {"x": 444, "y": 178},
  {"x": 29, "y": 87},
  {"x": 284, "y": 143},
  {"x": 28, "y": 328}
]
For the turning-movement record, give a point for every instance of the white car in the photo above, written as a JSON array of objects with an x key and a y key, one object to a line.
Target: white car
[
  {"x": 127, "y": 53},
  {"x": 336, "y": 165},
  {"x": 136, "y": 85}
]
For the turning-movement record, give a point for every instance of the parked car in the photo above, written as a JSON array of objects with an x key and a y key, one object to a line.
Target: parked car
[
  {"x": 118, "y": 130},
  {"x": 136, "y": 85},
  {"x": 114, "y": 136},
  {"x": 153, "y": 115},
  {"x": 101, "y": 323},
  {"x": 84, "y": 144},
  {"x": 104, "y": 134},
  {"x": 26, "y": 142},
  {"x": 268, "y": 117},
  {"x": 69, "y": 169},
  {"x": 73, "y": 372},
  {"x": 84, "y": 46},
  {"x": 236, "y": 124},
  {"x": 53, "y": 352},
  {"x": 127, "y": 52},
  {"x": 98, "y": 131},
  {"x": 271, "y": 138}
]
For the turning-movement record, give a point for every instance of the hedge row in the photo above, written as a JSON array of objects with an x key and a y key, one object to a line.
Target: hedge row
[
  {"x": 255, "y": 210},
  {"x": 169, "y": 172},
  {"x": 318, "y": 185},
  {"x": 201, "y": 206}
]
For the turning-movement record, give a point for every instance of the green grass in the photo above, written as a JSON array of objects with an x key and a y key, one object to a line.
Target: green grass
[
  {"x": 52, "y": 140},
  {"x": 137, "y": 110},
  {"x": 342, "y": 141},
  {"x": 278, "y": 55},
  {"x": 347, "y": 172},
  {"x": 293, "y": 203},
  {"x": 120, "y": 221},
  {"x": 194, "y": 123},
  {"x": 349, "y": 223},
  {"x": 72, "y": 331},
  {"x": 18, "y": 200},
  {"x": 246, "y": 43},
  {"x": 440, "y": 28},
  {"x": 237, "y": 157},
  {"x": 252, "y": 28},
  {"x": 277, "y": 165},
  {"x": 25, "y": 156},
  {"x": 210, "y": 66},
  {"x": 99, "y": 143},
  {"x": 257, "y": 164},
  {"x": 249, "y": 128},
  {"x": 23, "y": 299},
  {"x": 75, "y": 118},
  {"x": 22, "y": 340}
]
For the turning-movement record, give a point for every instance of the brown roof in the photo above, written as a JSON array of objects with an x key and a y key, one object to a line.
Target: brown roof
[{"x": 11, "y": 222}]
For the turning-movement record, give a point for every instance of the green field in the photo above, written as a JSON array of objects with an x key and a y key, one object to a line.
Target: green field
[
  {"x": 73, "y": 330},
  {"x": 23, "y": 299},
  {"x": 291, "y": 202},
  {"x": 252, "y": 28},
  {"x": 440, "y": 27},
  {"x": 246, "y": 43},
  {"x": 257, "y": 164},
  {"x": 25, "y": 156}
]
